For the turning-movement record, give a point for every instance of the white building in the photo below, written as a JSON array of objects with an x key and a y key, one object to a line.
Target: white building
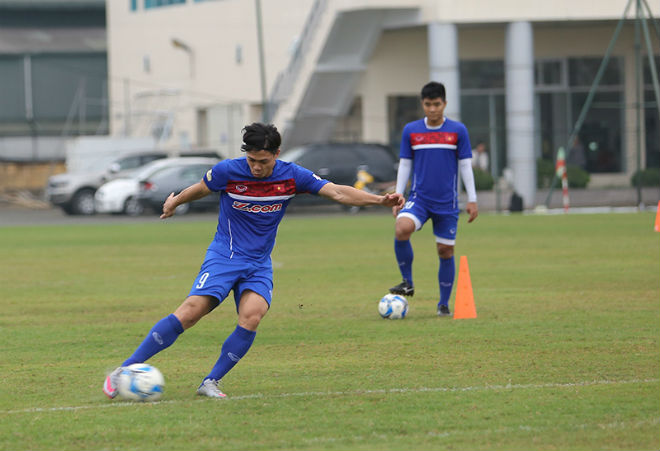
[{"x": 517, "y": 74}]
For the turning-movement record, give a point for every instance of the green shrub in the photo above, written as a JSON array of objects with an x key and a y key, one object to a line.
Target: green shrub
[
  {"x": 545, "y": 172},
  {"x": 577, "y": 177},
  {"x": 649, "y": 177},
  {"x": 483, "y": 181}
]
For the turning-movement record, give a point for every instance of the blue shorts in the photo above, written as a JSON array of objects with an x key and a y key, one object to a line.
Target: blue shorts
[
  {"x": 219, "y": 275},
  {"x": 444, "y": 223}
]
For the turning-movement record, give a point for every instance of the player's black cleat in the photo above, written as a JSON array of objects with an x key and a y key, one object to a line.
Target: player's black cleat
[
  {"x": 443, "y": 310},
  {"x": 404, "y": 289}
]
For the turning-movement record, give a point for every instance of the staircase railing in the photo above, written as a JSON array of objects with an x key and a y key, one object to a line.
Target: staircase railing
[{"x": 287, "y": 78}]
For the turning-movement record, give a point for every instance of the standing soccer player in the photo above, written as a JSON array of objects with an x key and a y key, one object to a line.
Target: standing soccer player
[
  {"x": 434, "y": 149},
  {"x": 254, "y": 193}
]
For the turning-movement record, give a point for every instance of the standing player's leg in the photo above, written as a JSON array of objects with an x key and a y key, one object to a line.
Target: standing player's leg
[
  {"x": 403, "y": 230},
  {"x": 252, "y": 307},
  {"x": 444, "y": 229},
  {"x": 446, "y": 274},
  {"x": 163, "y": 334}
]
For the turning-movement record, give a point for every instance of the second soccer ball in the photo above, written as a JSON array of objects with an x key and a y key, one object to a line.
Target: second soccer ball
[{"x": 393, "y": 306}]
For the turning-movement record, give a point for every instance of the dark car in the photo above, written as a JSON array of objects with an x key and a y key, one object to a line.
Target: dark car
[
  {"x": 154, "y": 190},
  {"x": 340, "y": 163}
]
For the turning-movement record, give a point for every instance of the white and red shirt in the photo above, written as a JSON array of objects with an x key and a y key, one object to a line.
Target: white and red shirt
[
  {"x": 252, "y": 208},
  {"x": 435, "y": 152}
]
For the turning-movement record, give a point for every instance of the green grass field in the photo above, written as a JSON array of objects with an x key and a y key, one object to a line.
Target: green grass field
[{"x": 564, "y": 354}]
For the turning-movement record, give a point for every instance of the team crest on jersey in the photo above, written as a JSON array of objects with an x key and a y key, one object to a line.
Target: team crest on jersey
[
  {"x": 241, "y": 188},
  {"x": 208, "y": 175}
]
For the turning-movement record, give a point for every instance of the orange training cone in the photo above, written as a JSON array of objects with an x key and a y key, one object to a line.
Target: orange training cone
[
  {"x": 657, "y": 219},
  {"x": 464, "y": 307}
]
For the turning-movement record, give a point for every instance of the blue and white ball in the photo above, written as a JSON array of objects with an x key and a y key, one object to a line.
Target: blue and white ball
[
  {"x": 393, "y": 306},
  {"x": 141, "y": 382}
]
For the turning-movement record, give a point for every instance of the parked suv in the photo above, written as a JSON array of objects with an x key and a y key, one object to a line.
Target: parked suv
[
  {"x": 340, "y": 163},
  {"x": 74, "y": 192}
]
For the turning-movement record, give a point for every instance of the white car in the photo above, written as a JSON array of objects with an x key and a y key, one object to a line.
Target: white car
[{"x": 120, "y": 195}]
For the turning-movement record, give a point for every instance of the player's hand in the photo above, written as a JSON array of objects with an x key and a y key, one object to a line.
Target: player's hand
[
  {"x": 393, "y": 200},
  {"x": 472, "y": 210},
  {"x": 169, "y": 207},
  {"x": 397, "y": 208}
]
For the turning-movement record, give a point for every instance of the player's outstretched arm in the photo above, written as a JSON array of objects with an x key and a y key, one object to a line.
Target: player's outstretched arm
[
  {"x": 348, "y": 195},
  {"x": 193, "y": 192}
]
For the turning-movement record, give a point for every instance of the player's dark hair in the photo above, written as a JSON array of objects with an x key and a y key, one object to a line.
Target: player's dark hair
[
  {"x": 434, "y": 90},
  {"x": 258, "y": 136}
]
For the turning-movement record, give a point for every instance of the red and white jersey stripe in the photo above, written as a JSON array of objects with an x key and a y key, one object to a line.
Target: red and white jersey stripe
[
  {"x": 430, "y": 140},
  {"x": 250, "y": 190}
]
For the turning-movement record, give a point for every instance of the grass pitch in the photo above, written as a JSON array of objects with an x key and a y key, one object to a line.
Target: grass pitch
[{"x": 564, "y": 353}]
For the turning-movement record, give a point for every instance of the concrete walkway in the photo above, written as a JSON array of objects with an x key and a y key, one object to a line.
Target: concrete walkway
[{"x": 593, "y": 197}]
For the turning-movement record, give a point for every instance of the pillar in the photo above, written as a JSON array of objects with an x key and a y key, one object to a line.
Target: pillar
[
  {"x": 519, "y": 71},
  {"x": 443, "y": 62}
]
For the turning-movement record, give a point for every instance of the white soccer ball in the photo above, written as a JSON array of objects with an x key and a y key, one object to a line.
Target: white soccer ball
[
  {"x": 141, "y": 382},
  {"x": 393, "y": 306}
]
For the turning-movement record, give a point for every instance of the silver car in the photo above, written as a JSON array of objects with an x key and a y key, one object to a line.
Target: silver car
[{"x": 121, "y": 194}]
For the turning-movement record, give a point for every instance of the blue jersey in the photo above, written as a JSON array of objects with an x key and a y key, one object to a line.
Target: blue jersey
[
  {"x": 251, "y": 208},
  {"x": 435, "y": 152}
]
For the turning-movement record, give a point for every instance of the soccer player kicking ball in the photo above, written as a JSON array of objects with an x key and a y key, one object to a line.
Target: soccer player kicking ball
[
  {"x": 434, "y": 149},
  {"x": 254, "y": 193}
]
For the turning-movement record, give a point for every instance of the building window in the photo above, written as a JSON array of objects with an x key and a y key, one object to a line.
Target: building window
[
  {"x": 484, "y": 115},
  {"x": 148, "y": 4},
  {"x": 601, "y": 134},
  {"x": 134, "y": 5},
  {"x": 29, "y": 104},
  {"x": 651, "y": 117},
  {"x": 582, "y": 72},
  {"x": 562, "y": 87},
  {"x": 482, "y": 74},
  {"x": 12, "y": 90},
  {"x": 550, "y": 73},
  {"x": 483, "y": 107}
]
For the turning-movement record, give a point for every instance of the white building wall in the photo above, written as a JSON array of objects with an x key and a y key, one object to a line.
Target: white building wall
[
  {"x": 399, "y": 66},
  {"x": 219, "y": 67}
]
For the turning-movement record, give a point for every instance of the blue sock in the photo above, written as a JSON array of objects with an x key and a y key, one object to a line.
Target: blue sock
[
  {"x": 233, "y": 349},
  {"x": 162, "y": 335},
  {"x": 404, "y": 256},
  {"x": 446, "y": 279}
]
